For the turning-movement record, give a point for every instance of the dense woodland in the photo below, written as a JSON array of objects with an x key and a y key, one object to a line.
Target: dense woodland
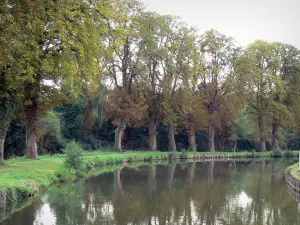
[{"x": 112, "y": 75}]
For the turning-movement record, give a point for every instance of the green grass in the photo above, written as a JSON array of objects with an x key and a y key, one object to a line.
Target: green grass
[
  {"x": 294, "y": 170},
  {"x": 28, "y": 175}
]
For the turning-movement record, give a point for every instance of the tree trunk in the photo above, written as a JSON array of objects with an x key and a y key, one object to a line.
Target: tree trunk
[
  {"x": 275, "y": 137},
  {"x": 31, "y": 148},
  {"x": 119, "y": 133},
  {"x": 152, "y": 135},
  {"x": 31, "y": 119},
  {"x": 234, "y": 146},
  {"x": 2, "y": 139},
  {"x": 171, "y": 137},
  {"x": 89, "y": 121},
  {"x": 262, "y": 142},
  {"x": 192, "y": 139},
  {"x": 211, "y": 138}
]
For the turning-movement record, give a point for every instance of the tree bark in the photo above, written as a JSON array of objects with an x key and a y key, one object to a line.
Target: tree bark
[
  {"x": 2, "y": 139},
  {"x": 234, "y": 146},
  {"x": 31, "y": 148},
  {"x": 211, "y": 138},
  {"x": 31, "y": 119},
  {"x": 89, "y": 121},
  {"x": 275, "y": 137},
  {"x": 262, "y": 142},
  {"x": 171, "y": 137},
  {"x": 152, "y": 135},
  {"x": 192, "y": 139},
  {"x": 119, "y": 133}
]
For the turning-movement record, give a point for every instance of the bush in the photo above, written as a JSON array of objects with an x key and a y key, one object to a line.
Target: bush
[
  {"x": 288, "y": 154},
  {"x": 277, "y": 153},
  {"x": 74, "y": 157},
  {"x": 89, "y": 165},
  {"x": 65, "y": 174}
]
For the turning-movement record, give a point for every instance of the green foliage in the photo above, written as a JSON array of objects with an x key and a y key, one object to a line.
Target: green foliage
[
  {"x": 288, "y": 154},
  {"x": 113, "y": 61},
  {"x": 242, "y": 129},
  {"x": 15, "y": 142},
  {"x": 74, "y": 157},
  {"x": 65, "y": 174},
  {"x": 278, "y": 153},
  {"x": 72, "y": 119},
  {"x": 50, "y": 140}
]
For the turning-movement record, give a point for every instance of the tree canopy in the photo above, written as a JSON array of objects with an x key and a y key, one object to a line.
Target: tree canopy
[{"x": 114, "y": 72}]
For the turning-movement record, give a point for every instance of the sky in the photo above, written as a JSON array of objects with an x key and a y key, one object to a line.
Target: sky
[{"x": 244, "y": 20}]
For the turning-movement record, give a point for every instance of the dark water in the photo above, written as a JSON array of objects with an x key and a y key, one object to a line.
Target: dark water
[{"x": 216, "y": 192}]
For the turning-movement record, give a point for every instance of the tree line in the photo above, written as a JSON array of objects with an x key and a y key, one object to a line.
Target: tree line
[{"x": 113, "y": 64}]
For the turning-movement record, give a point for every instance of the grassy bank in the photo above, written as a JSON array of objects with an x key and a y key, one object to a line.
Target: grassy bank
[{"x": 294, "y": 171}]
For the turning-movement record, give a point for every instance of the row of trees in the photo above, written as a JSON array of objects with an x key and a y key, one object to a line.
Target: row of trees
[{"x": 136, "y": 68}]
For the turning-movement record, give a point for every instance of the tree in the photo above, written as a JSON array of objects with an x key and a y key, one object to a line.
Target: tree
[
  {"x": 219, "y": 55},
  {"x": 175, "y": 54},
  {"x": 192, "y": 114},
  {"x": 12, "y": 46},
  {"x": 287, "y": 60},
  {"x": 153, "y": 29},
  {"x": 126, "y": 101},
  {"x": 60, "y": 53},
  {"x": 256, "y": 70}
]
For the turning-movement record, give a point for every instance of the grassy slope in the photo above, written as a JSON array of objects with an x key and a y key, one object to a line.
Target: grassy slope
[
  {"x": 29, "y": 175},
  {"x": 294, "y": 169}
]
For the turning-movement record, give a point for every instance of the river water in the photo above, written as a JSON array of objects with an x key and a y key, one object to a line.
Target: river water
[{"x": 210, "y": 193}]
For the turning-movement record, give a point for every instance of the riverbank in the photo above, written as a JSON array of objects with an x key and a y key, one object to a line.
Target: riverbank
[
  {"x": 31, "y": 175},
  {"x": 21, "y": 178},
  {"x": 292, "y": 177}
]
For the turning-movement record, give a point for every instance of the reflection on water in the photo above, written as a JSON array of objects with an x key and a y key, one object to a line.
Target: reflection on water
[{"x": 215, "y": 192}]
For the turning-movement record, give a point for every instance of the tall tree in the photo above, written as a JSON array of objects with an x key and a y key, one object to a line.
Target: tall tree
[
  {"x": 286, "y": 64},
  {"x": 62, "y": 46},
  {"x": 153, "y": 30},
  {"x": 256, "y": 71},
  {"x": 219, "y": 55},
  {"x": 192, "y": 113},
  {"x": 127, "y": 102},
  {"x": 171, "y": 67}
]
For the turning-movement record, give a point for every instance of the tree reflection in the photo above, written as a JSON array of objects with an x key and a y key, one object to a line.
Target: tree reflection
[
  {"x": 152, "y": 179},
  {"x": 240, "y": 193}
]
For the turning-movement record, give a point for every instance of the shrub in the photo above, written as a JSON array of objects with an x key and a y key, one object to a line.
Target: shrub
[
  {"x": 65, "y": 174},
  {"x": 74, "y": 157},
  {"x": 277, "y": 153},
  {"x": 89, "y": 165},
  {"x": 288, "y": 154}
]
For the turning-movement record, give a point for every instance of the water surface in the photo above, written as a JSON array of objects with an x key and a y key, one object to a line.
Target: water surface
[{"x": 215, "y": 192}]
